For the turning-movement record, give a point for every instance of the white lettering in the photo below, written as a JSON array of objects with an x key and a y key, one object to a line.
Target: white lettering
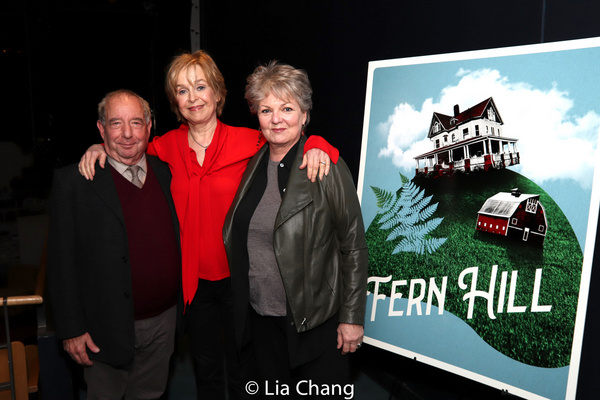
[
  {"x": 280, "y": 389},
  {"x": 473, "y": 293},
  {"x": 439, "y": 294},
  {"x": 376, "y": 295},
  {"x": 416, "y": 301},
  {"x": 536, "y": 294},
  {"x": 511, "y": 295},
  {"x": 418, "y": 290},
  {"x": 308, "y": 388},
  {"x": 503, "y": 280},
  {"x": 395, "y": 296}
]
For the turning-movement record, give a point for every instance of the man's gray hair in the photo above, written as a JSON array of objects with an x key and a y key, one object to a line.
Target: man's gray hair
[{"x": 120, "y": 92}]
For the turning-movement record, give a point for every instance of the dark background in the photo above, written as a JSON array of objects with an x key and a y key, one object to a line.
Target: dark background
[{"x": 59, "y": 57}]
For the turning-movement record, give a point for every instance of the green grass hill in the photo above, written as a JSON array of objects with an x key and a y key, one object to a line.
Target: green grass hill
[{"x": 541, "y": 339}]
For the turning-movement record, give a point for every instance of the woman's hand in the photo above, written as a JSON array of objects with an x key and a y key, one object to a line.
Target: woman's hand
[
  {"x": 349, "y": 337},
  {"x": 88, "y": 161},
  {"x": 318, "y": 163}
]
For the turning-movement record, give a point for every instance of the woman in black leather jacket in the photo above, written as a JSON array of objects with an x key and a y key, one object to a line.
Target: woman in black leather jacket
[{"x": 296, "y": 250}]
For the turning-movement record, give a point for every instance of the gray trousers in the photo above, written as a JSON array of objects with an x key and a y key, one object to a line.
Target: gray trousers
[{"x": 147, "y": 378}]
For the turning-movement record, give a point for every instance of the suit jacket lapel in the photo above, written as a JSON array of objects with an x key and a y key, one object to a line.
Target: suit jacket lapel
[{"x": 104, "y": 186}]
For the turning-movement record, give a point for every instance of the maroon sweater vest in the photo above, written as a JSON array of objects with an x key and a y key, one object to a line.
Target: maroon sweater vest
[{"x": 153, "y": 250}]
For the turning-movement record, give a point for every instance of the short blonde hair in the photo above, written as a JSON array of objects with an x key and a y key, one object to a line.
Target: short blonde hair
[
  {"x": 211, "y": 71},
  {"x": 284, "y": 81}
]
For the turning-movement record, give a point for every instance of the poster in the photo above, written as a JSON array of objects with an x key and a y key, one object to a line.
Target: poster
[{"x": 479, "y": 189}]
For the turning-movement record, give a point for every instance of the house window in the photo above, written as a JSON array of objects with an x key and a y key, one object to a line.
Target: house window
[
  {"x": 476, "y": 130},
  {"x": 465, "y": 133},
  {"x": 541, "y": 228},
  {"x": 436, "y": 127},
  {"x": 446, "y": 139},
  {"x": 437, "y": 143},
  {"x": 491, "y": 114},
  {"x": 453, "y": 138},
  {"x": 514, "y": 221},
  {"x": 487, "y": 130},
  {"x": 492, "y": 130},
  {"x": 531, "y": 206}
]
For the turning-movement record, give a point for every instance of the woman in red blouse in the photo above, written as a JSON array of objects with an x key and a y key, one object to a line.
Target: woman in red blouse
[{"x": 207, "y": 159}]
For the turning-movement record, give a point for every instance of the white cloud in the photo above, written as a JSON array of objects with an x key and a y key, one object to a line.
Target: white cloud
[{"x": 553, "y": 143}]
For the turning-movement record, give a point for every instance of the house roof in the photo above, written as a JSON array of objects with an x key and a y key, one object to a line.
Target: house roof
[
  {"x": 472, "y": 113},
  {"x": 504, "y": 204}
]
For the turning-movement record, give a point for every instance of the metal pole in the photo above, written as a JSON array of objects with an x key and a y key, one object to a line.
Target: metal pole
[{"x": 195, "y": 26}]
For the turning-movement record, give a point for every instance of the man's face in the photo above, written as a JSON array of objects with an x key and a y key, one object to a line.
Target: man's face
[{"x": 126, "y": 132}]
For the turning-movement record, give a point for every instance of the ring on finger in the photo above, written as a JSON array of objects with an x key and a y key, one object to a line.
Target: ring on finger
[
  {"x": 321, "y": 162},
  {"x": 358, "y": 345}
]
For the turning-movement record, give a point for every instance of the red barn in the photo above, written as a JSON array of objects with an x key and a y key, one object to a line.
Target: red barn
[{"x": 517, "y": 215}]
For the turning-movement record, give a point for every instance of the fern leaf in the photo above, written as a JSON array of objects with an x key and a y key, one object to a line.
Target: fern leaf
[{"x": 382, "y": 196}]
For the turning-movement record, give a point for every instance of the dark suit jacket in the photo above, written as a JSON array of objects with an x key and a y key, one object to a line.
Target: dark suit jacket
[{"x": 89, "y": 279}]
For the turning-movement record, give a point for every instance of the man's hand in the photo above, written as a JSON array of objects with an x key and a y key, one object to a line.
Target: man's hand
[
  {"x": 317, "y": 162},
  {"x": 349, "y": 337},
  {"x": 77, "y": 348},
  {"x": 88, "y": 161}
]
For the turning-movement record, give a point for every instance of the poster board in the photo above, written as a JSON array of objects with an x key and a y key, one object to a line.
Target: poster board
[{"x": 479, "y": 189}]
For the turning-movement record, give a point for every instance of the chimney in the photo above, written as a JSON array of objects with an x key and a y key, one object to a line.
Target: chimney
[
  {"x": 516, "y": 192},
  {"x": 456, "y": 110}
]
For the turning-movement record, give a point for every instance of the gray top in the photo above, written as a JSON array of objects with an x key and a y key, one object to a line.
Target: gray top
[{"x": 267, "y": 294}]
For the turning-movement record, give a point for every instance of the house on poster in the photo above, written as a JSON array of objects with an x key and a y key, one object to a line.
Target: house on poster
[
  {"x": 493, "y": 310},
  {"x": 467, "y": 141}
]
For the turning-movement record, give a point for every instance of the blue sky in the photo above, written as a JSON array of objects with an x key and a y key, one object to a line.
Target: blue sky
[{"x": 548, "y": 96}]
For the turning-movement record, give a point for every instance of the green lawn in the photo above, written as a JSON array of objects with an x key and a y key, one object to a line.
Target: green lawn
[{"x": 542, "y": 339}]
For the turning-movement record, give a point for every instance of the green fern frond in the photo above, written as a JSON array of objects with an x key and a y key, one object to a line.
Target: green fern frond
[{"x": 382, "y": 196}]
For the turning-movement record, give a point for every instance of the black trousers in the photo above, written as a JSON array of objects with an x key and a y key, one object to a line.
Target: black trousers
[
  {"x": 209, "y": 322},
  {"x": 325, "y": 377}
]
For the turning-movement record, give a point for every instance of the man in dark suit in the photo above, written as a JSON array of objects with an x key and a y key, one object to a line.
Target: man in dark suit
[{"x": 114, "y": 261}]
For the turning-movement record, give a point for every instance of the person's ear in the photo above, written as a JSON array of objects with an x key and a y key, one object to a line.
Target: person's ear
[{"x": 100, "y": 128}]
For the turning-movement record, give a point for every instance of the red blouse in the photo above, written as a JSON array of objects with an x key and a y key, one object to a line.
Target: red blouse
[{"x": 203, "y": 194}]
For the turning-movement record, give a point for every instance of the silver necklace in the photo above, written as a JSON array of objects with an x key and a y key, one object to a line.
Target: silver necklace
[{"x": 204, "y": 147}]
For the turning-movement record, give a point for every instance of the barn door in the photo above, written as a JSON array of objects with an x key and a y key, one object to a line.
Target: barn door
[{"x": 526, "y": 234}]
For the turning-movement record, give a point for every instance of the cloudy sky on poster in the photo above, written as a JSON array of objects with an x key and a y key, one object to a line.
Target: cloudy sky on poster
[
  {"x": 549, "y": 101},
  {"x": 541, "y": 118}
]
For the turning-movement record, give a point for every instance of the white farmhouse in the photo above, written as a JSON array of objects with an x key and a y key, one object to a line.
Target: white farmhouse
[{"x": 467, "y": 141}]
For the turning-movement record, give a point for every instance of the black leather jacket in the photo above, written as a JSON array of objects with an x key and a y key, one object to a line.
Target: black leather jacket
[{"x": 319, "y": 242}]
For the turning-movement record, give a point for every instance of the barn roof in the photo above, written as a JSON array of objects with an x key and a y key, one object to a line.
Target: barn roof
[{"x": 504, "y": 204}]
